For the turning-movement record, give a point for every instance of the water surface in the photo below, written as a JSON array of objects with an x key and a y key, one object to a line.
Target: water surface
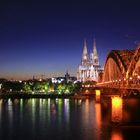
[{"x": 66, "y": 119}]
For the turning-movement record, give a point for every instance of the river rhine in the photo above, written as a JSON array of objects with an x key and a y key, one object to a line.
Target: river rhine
[{"x": 67, "y": 119}]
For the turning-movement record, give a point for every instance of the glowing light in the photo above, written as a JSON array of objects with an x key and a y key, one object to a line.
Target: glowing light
[
  {"x": 98, "y": 93},
  {"x": 40, "y": 80},
  {"x": 51, "y": 89},
  {"x": 40, "y": 103},
  {"x": 116, "y": 136},
  {"x": 33, "y": 103},
  {"x": 67, "y": 109},
  {"x": 87, "y": 107},
  {"x": 98, "y": 114},
  {"x": 87, "y": 91},
  {"x": 10, "y": 111},
  {"x": 79, "y": 102},
  {"x": 60, "y": 107},
  {"x": 98, "y": 118},
  {"x": 67, "y": 91},
  {"x": 21, "y": 103},
  {"x": 49, "y": 103},
  {"x": 116, "y": 101},
  {"x": 0, "y": 108},
  {"x": 116, "y": 109}
]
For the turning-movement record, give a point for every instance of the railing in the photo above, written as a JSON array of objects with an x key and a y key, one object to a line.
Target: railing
[{"x": 131, "y": 83}]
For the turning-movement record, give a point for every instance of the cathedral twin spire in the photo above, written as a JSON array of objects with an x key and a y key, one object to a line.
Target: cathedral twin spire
[
  {"x": 93, "y": 56},
  {"x": 85, "y": 54},
  {"x": 90, "y": 68}
]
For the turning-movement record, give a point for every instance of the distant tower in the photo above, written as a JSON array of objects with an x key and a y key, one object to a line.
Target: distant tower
[
  {"x": 85, "y": 54},
  {"x": 95, "y": 58},
  {"x": 67, "y": 76}
]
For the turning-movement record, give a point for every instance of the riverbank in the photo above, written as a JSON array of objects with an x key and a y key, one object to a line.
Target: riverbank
[{"x": 28, "y": 96}]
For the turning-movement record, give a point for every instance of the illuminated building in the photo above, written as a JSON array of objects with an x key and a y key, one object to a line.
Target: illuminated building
[{"x": 89, "y": 69}]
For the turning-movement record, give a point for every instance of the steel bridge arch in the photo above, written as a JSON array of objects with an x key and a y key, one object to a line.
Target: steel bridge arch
[
  {"x": 134, "y": 64},
  {"x": 113, "y": 66},
  {"x": 117, "y": 64},
  {"x": 122, "y": 64}
]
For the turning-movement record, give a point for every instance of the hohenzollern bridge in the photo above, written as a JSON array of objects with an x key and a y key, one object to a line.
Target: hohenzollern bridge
[{"x": 122, "y": 71}]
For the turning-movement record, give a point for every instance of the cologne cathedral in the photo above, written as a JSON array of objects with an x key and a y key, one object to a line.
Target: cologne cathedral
[{"x": 89, "y": 68}]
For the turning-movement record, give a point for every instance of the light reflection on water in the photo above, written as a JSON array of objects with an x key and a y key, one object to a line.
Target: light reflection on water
[
  {"x": 65, "y": 119},
  {"x": 116, "y": 135},
  {"x": 0, "y": 109},
  {"x": 98, "y": 119},
  {"x": 67, "y": 110},
  {"x": 10, "y": 113},
  {"x": 117, "y": 104}
]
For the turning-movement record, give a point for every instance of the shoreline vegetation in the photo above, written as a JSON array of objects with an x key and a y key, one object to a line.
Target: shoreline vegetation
[{"x": 49, "y": 88}]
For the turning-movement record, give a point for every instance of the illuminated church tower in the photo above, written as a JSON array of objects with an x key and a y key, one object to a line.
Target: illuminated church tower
[
  {"x": 89, "y": 69},
  {"x": 95, "y": 55},
  {"x": 85, "y": 54}
]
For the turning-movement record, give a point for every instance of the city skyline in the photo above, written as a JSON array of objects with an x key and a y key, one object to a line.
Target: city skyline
[{"x": 47, "y": 37}]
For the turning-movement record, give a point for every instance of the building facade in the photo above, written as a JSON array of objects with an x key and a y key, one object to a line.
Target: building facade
[{"x": 89, "y": 68}]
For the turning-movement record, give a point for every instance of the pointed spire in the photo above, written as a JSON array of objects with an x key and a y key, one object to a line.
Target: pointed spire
[
  {"x": 95, "y": 54},
  {"x": 85, "y": 54},
  {"x": 94, "y": 47},
  {"x": 85, "y": 47}
]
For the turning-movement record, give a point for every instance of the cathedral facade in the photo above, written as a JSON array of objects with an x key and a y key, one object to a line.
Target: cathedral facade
[{"x": 89, "y": 68}]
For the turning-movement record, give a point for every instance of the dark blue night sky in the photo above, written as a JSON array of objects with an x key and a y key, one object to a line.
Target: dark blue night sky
[{"x": 46, "y": 37}]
